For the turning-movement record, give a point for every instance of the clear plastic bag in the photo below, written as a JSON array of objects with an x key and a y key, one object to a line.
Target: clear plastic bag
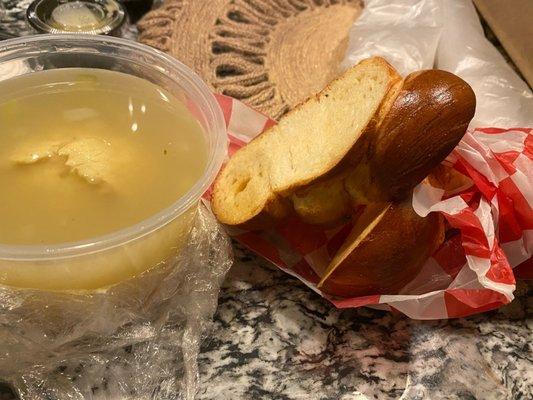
[
  {"x": 138, "y": 339},
  {"x": 422, "y": 34},
  {"x": 503, "y": 99},
  {"x": 405, "y": 32}
]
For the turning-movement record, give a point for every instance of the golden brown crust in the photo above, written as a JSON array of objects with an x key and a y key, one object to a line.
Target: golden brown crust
[
  {"x": 273, "y": 213},
  {"x": 429, "y": 117},
  {"x": 323, "y": 203},
  {"x": 418, "y": 123},
  {"x": 389, "y": 256},
  {"x": 262, "y": 217},
  {"x": 358, "y": 150}
]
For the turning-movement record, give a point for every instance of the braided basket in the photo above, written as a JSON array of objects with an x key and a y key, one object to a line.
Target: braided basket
[{"x": 271, "y": 54}]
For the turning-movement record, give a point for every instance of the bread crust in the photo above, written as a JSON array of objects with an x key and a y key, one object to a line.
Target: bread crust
[
  {"x": 260, "y": 213},
  {"x": 419, "y": 123},
  {"x": 429, "y": 117},
  {"x": 415, "y": 125},
  {"x": 387, "y": 257}
]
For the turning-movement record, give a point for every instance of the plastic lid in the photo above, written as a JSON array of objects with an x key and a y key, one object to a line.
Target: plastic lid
[{"x": 76, "y": 16}]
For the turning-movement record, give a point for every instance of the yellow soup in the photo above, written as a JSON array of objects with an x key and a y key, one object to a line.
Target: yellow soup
[{"x": 84, "y": 153}]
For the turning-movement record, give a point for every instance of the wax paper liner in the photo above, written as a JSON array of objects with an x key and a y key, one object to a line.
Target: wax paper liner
[
  {"x": 471, "y": 272},
  {"x": 136, "y": 340}
]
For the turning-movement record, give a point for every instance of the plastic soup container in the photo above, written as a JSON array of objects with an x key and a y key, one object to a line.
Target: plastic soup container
[{"x": 103, "y": 261}]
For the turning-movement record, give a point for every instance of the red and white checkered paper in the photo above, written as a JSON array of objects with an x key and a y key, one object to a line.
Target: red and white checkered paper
[{"x": 472, "y": 271}]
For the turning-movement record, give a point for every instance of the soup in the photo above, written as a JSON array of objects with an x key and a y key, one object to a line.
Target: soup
[{"x": 86, "y": 152}]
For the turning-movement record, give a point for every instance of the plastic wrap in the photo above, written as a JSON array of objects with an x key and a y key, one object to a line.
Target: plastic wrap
[{"x": 136, "y": 340}]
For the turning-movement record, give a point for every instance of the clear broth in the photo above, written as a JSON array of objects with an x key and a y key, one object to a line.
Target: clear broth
[{"x": 86, "y": 152}]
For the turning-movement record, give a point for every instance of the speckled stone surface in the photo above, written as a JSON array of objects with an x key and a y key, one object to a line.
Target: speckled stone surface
[{"x": 275, "y": 339}]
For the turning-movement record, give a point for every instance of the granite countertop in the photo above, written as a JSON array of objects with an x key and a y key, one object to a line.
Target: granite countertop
[
  {"x": 276, "y": 339},
  {"x": 273, "y": 338}
]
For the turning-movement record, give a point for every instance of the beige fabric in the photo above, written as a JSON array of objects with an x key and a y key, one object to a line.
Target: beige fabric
[{"x": 272, "y": 54}]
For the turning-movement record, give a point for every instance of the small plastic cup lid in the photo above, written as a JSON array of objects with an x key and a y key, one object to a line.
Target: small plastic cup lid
[{"x": 75, "y": 16}]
